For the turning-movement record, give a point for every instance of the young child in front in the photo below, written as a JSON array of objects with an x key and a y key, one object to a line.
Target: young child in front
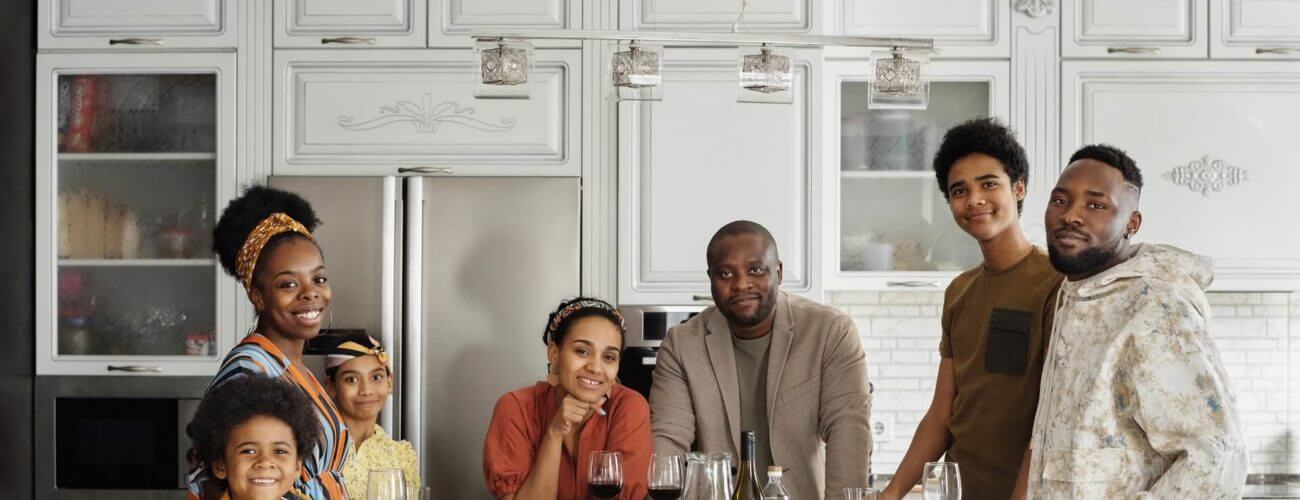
[{"x": 253, "y": 430}]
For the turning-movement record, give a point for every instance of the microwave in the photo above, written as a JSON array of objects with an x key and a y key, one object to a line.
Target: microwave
[
  {"x": 113, "y": 437},
  {"x": 647, "y": 327}
]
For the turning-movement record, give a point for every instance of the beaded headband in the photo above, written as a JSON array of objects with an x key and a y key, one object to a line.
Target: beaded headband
[
  {"x": 578, "y": 306},
  {"x": 272, "y": 225}
]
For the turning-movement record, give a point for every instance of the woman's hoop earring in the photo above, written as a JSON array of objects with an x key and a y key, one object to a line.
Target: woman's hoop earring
[
  {"x": 252, "y": 327},
  {"x": 330, "y": 325}
]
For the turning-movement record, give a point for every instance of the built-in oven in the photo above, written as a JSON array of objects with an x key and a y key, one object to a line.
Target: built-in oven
[
  {"x": 108, "y": 438},
  {"x": 647, "y": 326}
]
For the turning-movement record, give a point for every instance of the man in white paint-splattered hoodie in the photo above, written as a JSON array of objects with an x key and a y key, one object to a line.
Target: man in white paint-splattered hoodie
[{"x": 1134, "y": 401}]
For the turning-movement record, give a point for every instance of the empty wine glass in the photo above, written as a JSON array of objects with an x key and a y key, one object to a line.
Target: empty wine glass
[
  {"x": 665, "y": 477},
  {"x": 605, "y": 476},
  {"x": 386, "y": 484},
  {"x": 941, "y": 481},
  {"x": 861, "y": 494},
  {"x": 419, "y": 493}
]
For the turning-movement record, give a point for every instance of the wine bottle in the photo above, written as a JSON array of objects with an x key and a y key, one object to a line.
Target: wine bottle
[
  {"x": 774, "y": 490},
  {"x": 747, "y": 487}
]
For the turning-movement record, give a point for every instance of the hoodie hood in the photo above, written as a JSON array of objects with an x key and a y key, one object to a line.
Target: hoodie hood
[{"x": 1187, "y": 273}]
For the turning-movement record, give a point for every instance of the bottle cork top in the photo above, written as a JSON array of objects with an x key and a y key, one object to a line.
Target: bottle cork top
[{"x": 774, "y": 471}]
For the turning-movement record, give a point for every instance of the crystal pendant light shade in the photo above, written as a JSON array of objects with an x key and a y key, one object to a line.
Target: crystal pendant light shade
[
  {"x": 897, "y": 82},
  {"x": 504, "y": 68},
  {"x": 766, "y": 76},
  {"x": 636, "y": 70}
]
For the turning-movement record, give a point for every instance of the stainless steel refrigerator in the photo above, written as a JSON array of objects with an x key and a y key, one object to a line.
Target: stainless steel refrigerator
[{"x": 457, "y": 276}]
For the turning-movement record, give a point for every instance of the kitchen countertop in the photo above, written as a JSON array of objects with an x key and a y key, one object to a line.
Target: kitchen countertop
[
  {"x": 1258, "y": 486},
  {"x": 1272, "y": 486}
]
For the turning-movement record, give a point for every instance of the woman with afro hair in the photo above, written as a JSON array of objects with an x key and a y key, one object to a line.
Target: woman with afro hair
[{"x": 264, "y": 240}]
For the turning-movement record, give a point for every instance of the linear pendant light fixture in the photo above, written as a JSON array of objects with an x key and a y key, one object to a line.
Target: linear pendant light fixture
[{"x": 635, "y": 65}]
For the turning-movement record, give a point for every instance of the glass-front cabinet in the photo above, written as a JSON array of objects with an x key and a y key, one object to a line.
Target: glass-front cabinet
[
  {"x": 134, "y": 163},
  {"x": 894, "y": 230}
]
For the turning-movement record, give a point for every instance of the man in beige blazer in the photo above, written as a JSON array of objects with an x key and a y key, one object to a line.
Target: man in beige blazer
[{"x": 785, "y": 367}]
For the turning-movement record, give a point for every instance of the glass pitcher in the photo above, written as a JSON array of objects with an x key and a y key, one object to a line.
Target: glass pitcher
[{"x": 708, "y": 476}]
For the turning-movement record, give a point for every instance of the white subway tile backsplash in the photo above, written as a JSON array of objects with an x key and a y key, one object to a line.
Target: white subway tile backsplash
[{"x": 1257, "y": 334}]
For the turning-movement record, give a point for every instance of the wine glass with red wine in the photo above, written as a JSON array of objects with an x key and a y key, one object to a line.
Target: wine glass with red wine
[
  {"x": 605, "y": 476},
  {"x": 665, "y": 477}
]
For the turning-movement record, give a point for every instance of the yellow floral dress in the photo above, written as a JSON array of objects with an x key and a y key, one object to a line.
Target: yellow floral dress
[{"x": 378, "y": 452}]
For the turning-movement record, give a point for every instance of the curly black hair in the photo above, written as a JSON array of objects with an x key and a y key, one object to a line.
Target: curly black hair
[
  {"x": 982, "y": 135},
  {"x": 586, "y": 312},
  {"x": 245, "y": 212},
  {"x": 1112, "y": 156},
  {"x": 236, "y": 401}
]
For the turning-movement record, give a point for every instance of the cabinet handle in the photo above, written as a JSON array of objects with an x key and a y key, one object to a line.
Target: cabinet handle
[
  {"x": 1132, "y": 50},
  {"x": 135, "y": 368},
  {"x": 424, "y": 170},
  {"x": 914, "y": 284},
  {"x": 702, "y": 298},
  {"x": 351, "y": 40},
  {"x": 135, "y": 41},
  {"x": 1278, "y": 50}
]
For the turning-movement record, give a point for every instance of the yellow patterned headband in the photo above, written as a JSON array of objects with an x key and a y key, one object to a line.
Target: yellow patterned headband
[
  {"x": 272, "y": 225},
  {"x": 352, "y": 349}
]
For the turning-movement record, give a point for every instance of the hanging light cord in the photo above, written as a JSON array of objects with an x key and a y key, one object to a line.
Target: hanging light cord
[{"x": 735, "y": 26}]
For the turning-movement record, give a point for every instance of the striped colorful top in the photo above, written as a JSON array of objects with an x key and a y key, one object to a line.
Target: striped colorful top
[{"x": 321, "y": 478}]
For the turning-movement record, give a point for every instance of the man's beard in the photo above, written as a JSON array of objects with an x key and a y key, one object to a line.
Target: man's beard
[
  {"x": 764, "y": 310},
  {"x": 1086, "y": 262}
]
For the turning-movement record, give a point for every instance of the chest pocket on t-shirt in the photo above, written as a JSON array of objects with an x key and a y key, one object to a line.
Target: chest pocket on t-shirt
[{"x": 1008, "y": 342}]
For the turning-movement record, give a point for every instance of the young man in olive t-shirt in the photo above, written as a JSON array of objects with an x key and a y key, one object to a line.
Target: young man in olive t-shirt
[{"x": 996, "y": 321}]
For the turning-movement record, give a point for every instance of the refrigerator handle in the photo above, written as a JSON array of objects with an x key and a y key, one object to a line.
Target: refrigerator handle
[
  {"x": 387, "y": 291},
  {"x": 413, "y": 352}
]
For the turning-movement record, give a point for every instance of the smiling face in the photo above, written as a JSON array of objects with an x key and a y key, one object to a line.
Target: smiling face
[
  {"x": 586, "y": 360},
  {"x": 982, "y": 197},
  {"x": 291, "y": 290},
  {"x": 1090, "y": 212},
  {"x": 360, "y": 387},
  {"x": 744, "y": 276},
  {"x": 260, "y": 460}
]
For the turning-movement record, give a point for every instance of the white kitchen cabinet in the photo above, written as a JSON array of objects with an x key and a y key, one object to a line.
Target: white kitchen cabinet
[
  {"x": 135, "y": 158},
  {"x": 768, "y": 16},
  {"x": 1163, "y": 29},
  {"x": 376, "y": 112},
  {"x": 349, "y": 23},
  {"x": 888, "y": 225},
  {"x": 1215, "y": 143},
  {"x": 698, "y": 159},
  {"x": 1255, "y": 29},
  {"x": 451, "y": 21},
  {"x": 134, "y": 24},
  {"x": 960, "y": 28}
]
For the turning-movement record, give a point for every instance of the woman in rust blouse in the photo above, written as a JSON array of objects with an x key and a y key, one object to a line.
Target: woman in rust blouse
[{"x": 541, "y": 437}]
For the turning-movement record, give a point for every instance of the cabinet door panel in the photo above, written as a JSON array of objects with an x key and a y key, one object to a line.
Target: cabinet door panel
[
  {"x": 350, "y": 24},
  {"x": 1134, "y": 28},
  {"x": 134, "y": 156},
  {"x": 697, "y": 160},
  {"x": 717, "y": 15},
  {"x": 891, "y": 224},
  {"x": 133, "y": 24},
  {"x": 451, "y": 21},
  {"x": 1215, "y": 148},
  {"x": 1255, "y": 29},
  {"x": 371, "y": 112},
  {"x": 975, "y": 28}
]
